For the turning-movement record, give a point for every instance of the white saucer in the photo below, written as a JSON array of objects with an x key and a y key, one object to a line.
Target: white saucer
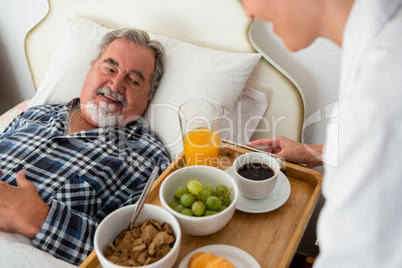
[
  {"x": 236, "y": 256},
  {"x": 274, "y": 200}
]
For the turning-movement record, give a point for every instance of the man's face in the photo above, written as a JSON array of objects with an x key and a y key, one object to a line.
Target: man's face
[
  {"x": 296, "y": 22},
  {"x": 118, "y": 85}
]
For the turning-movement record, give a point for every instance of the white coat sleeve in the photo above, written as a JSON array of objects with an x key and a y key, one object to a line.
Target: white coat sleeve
[{"x": 360, "y": 224}]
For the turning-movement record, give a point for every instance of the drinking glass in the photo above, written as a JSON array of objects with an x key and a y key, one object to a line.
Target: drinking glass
[{"x": 200, "y": 123}]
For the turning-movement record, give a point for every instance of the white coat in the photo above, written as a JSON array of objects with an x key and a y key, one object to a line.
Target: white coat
[{"x": 360, "y": 224}]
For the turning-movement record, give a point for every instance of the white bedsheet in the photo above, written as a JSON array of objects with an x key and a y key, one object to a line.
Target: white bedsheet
[{"x": 17, "y": 251}]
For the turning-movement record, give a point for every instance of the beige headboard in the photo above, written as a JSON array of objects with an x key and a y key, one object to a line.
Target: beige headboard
[{"x": 218, "y": 24}]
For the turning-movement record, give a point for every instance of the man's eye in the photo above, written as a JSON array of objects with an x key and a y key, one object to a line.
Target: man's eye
[{"x": 134, "y": 82}]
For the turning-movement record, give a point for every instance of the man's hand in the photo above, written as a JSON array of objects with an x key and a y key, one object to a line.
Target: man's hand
[
  {"x": 291, "y": 151},
  {"x": 21, "y": 208}
]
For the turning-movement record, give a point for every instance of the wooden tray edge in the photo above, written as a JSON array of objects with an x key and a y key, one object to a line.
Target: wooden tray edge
[{"x": 301, "y": 227}]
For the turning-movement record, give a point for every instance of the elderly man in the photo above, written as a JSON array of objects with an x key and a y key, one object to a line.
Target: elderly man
[{"x": 65, "y": 167}]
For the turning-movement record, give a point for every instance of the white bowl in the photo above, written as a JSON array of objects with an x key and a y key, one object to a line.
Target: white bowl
[
  {"x": 204, "y": 225},
  {"x": 110, "y": 227}
]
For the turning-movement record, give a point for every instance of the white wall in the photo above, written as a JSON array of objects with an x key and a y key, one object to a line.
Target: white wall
[
  {"x": 17, "y": 17},
  {"x": 316, "y": 70}
]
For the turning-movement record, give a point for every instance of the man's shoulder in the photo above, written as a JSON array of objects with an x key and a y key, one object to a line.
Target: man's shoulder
[{"x": 40, "y": 110}]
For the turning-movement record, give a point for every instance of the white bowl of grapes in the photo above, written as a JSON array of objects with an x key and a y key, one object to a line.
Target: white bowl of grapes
[{"x": 202, "y": 198}]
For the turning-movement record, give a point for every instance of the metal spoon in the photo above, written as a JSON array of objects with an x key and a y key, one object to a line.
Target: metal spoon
[{"x": 143, "y": 197}]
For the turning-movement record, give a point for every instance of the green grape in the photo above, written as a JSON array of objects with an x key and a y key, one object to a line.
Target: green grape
[
  {"x": 187, "y": 200},
  {"x": 187, "y": 211},
  {"x": 216, "y": 194},
  {"x": 198, "y": 208},
  {"x": 194, "y": 187},
  {"x": 222, "y": 198},
  {"x": 180, "y": 191},
  {"x": 200, "y": 200},
  {"x": 223, "y": 207},
  {"x": 208, "y": 187},
  {"x": 227, "y": 200},
  {"x": 204, "y": 194},
  {"x": 173, "y": 204},
  {"x": 210, "y": 212},
  {"x": 221, "y": 189},
  {"x": 213, "y": 203},
  {"x": 179, "y": 208}
]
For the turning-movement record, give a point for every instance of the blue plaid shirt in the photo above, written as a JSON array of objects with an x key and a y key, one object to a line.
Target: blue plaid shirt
[{"x": 82, "y": 176}]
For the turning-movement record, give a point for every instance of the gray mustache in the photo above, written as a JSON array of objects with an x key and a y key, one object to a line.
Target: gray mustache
[{"x": 113, "y": 94}]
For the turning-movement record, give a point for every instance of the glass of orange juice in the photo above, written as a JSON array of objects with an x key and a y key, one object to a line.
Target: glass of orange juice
[{"x": 200, "y": 123}]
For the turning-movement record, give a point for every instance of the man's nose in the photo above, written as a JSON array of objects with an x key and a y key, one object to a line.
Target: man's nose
[{"x": 117, "y": 83}]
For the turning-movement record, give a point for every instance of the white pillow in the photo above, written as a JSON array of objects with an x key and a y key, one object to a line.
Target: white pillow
[{"x": 190, "y": 72}]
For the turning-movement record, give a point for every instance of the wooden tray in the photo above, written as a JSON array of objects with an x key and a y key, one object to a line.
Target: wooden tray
[{"x": 271, "y": 238}]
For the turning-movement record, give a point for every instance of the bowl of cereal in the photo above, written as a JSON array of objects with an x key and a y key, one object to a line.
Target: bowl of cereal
[
  {"x": 154, "y": 241},
  {"x": 202, "y": 198}
]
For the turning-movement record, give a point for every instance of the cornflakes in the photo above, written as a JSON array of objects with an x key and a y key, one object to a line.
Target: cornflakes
[{"x": 146, "y": 243}]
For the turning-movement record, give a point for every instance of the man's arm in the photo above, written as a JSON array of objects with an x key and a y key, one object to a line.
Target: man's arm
[
  {"x": 21, "y": 208},
  {"x": 23, "y": 211}
]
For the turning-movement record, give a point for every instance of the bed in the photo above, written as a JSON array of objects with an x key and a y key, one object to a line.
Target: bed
[{"x": 211, "y": 54}]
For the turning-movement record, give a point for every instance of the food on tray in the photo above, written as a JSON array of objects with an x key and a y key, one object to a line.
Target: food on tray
[
  {"x": 146, "y": 243},
  {"x": 196, "y": 199},
  {"x": 208, "y": 260}
]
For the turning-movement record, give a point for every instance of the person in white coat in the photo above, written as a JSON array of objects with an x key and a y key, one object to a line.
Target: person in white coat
[{"x": 360, "y": 224}]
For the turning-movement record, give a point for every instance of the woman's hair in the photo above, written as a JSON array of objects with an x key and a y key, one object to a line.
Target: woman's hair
[{"x": 141, "y": 38}]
